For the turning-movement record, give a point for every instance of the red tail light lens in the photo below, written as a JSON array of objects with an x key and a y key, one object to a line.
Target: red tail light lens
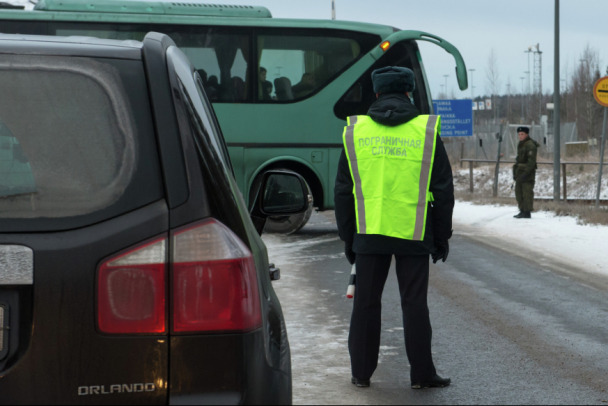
[
  {"x": 131, "y": 296},
  {"x": 215, "y": 286}
]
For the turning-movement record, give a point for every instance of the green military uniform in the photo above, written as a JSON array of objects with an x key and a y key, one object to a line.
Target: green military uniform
[{"x": 524, "y": 173}]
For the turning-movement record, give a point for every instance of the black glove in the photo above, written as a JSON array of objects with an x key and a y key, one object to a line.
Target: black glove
[
  {"x": 350, "y": 255},
  {"x": 442, "y": 248}
]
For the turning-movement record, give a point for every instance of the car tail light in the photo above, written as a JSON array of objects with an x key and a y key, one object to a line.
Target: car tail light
[
  {"x": 131, "y": 291},
  {"x": 214, "y": 282}
]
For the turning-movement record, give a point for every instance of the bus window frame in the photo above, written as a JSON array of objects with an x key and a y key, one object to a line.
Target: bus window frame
[{"x": 366, "y": 45}]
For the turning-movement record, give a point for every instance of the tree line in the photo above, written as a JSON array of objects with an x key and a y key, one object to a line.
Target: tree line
[{"x": 577, "y": 103}]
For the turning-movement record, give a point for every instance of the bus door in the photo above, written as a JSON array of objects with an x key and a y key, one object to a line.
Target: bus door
[{"x": 399, "y": 49}]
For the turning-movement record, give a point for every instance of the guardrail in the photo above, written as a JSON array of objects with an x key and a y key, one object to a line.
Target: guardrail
[{"x": 562, "y": 163}]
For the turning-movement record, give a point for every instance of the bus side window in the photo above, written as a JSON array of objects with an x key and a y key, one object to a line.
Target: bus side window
[
  {"x": 300, "y": 64},
  {"x": 222, "y": 60}
]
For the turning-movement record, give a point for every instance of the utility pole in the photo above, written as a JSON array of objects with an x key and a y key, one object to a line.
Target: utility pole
[
  {"x": 538, "y": 78},
  {"x": 528, "y": 90},
  {"x": 556, "y": 110},
  {"x": 472, "y": 99},
  {"x": 472, "y": 87},
  {"x": 522, "y": 99},
  {"x": 529, "y": 51},
  {"x": 600, "y": 93}
]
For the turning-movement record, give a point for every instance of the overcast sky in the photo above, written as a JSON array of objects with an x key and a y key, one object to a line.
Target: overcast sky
[{"x": 476, "y": 27}]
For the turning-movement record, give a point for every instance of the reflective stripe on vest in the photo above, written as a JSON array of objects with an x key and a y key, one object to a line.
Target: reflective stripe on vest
[{"x": 391, "y": 172}]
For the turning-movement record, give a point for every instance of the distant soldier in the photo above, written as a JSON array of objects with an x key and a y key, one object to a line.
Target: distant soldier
[{"x": 524, "y": 173}]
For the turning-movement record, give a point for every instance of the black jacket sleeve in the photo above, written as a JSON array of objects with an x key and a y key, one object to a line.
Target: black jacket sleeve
[
  {"x": 344, "y": 201},
  {"x": 442, "y": 187}
]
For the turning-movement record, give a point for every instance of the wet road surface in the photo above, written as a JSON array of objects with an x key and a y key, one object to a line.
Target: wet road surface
[{"x": 508, "y": 326}]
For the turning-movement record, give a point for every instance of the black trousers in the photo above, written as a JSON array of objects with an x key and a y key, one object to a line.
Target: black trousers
[{"x": 365, "y": 324}]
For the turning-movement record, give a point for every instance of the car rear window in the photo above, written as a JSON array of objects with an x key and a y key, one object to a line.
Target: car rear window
[{"x": 68, "y": 137}]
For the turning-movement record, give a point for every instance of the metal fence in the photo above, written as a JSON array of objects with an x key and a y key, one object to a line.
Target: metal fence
[{"x": 484, "y": 143}]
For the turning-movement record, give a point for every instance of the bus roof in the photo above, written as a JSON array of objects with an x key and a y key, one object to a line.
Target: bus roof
[
  {"x": 154, "y": 7},
  {"x": 180, "y": 13}
]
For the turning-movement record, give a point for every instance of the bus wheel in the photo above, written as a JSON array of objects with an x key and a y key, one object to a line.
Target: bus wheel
[{"x": 290, "y": 224}]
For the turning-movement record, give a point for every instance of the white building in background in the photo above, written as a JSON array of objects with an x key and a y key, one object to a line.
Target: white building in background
[{"x": 27, "y": 4}]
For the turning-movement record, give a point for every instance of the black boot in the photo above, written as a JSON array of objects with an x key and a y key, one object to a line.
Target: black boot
[
  {"x": 526, "y": 215},
  {"x": 434, "y": 382},
  {"x": 519, "y": 215},
  {"x": 360, "y": 383}
]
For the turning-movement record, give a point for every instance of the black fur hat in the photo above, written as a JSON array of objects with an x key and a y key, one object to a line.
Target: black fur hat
[
  {"x": 393, "y": 79},
  {"x": 523, "y": 129}
]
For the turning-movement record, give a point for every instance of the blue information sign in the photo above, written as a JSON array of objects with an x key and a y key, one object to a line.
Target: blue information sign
[{"x": 456, "y": 117}]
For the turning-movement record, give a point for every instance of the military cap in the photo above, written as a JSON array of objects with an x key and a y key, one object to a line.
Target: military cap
[{"x": 393, "y": 79}]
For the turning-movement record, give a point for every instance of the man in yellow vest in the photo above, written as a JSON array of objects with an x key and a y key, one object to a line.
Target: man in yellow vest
[{"x": 394, "y": 196}]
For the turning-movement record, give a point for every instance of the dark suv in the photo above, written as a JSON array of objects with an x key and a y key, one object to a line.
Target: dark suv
[{"x": 130, "y": 269}]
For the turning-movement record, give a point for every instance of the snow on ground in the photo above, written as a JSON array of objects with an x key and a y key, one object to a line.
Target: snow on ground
[
  {"x": 559, "y": 238},
  {"x": 545, "y": 235}
]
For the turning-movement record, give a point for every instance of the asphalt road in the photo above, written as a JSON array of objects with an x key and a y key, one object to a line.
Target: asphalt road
[{"x": 506, "y": 329}]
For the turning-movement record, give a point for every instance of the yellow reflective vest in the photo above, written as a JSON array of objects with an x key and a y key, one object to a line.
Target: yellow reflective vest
[{"x": 391, "y": 172}]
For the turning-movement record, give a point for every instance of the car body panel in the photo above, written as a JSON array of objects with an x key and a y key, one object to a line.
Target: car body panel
[{"x": 57, "y": 353}]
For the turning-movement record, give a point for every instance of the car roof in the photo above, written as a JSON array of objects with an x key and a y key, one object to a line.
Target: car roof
[{"x": 72, "y": 45}]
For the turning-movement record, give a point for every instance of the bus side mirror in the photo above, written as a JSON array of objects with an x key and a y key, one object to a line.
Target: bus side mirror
[{"x": 280, "y": 193}]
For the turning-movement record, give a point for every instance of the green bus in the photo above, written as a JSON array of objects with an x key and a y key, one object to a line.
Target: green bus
[{"x": 281, "y": 88}]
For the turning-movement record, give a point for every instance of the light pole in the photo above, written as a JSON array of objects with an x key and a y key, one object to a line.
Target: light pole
[
  {"x": 527, "y": 94},
  {"x": 529, "y": 51},
  {"x": 446, "y": 85},
  {"x": 472, "y": 100},
  {"x": 472, "y": 70},
  {"x": 556, "y": 110},
  {"x": 333, "y": 9},
  {"x": 522, "y": 99}
]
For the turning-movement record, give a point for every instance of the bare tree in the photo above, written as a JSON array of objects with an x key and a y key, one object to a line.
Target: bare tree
[
  {"x": 493, "y": 78},
  {"x": 585, "y": 111}
]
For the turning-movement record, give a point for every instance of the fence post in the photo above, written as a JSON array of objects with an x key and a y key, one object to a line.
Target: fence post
[
  {"x": 461, "y": 152},
  {"x": 564, "y": 182},
  {"x": 497, "y": 168},
  {"x": 471, "y": 176}
]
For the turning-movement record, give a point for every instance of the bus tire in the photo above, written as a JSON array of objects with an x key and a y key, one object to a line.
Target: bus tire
[{"x": 290, "y": 224}]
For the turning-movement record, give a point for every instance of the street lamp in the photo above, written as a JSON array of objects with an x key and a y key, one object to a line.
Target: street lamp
[
  {"x": 529, "y": 51},
  {"x": 522, "y": 98},
  {"x": 472, "y": 101},
  {"x": 527, "y": 92},
  {"x": 472, "y": 70}
]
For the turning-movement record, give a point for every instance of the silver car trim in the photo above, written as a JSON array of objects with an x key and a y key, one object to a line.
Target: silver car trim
[{"x": 16, "y": 265}]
